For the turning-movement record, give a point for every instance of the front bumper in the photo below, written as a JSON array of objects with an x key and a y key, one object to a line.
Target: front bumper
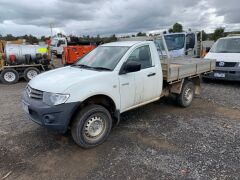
[
  {"x": 231, "y": 74},
  {"x": 53, "y": 117}
]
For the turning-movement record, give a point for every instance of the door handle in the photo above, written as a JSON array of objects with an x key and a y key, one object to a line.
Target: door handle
[
  {"x": 125, "y": 84},
  {"x": 151, "y": 74}
]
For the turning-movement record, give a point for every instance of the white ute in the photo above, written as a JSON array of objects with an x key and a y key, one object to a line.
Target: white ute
[
  {"x": 226, "y": 51},
  {"x": 89, "y": 96}
]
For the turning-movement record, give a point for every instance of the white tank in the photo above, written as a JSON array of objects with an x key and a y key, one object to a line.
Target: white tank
[{"x": 21, "y": 50}]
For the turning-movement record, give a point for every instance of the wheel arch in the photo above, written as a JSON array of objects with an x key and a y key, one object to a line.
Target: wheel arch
[
  {"x": 177, "y": 87},
  {"x": 102, "y": 100}
]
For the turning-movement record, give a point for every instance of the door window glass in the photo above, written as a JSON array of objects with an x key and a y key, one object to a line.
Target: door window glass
[
  {"x": 190, "y": 42},
  {"x": 142, "y": 55}
]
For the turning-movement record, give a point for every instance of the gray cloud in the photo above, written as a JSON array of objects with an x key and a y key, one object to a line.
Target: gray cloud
[
  {"x": 230, "y": 9},
  {"x": 112, "y": 16}
]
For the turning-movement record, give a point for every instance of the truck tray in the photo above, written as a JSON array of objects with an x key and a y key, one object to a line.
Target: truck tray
[{"x": 176, "y": 69}]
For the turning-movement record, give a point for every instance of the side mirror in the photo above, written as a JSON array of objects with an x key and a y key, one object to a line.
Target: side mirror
[{"x": 130, "y": 66}]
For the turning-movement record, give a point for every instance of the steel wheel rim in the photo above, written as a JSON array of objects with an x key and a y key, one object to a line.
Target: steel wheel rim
[
  {"x": 9, "y": 76},
  {"x": 94, "y": 128},
  {"x": 188, "y": 95},
  {"x": 31, "y": 74}
]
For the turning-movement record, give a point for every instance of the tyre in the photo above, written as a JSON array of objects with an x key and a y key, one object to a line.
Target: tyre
[
  {"x": 59, "y": 56},
  {"x": 205, "y": 80},
  {"x": 91, "y": 126},
  {"x": 30, "y": 73},
  {"x": 9, "y": 76},
  {"x": 185, "y": 98}
]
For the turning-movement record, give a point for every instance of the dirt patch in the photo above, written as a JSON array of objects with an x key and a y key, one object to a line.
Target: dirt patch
[
  {"x": 75, "y": 164},
  {"x": 231, "y": 113},
  {"x": 159, "y": 143}
]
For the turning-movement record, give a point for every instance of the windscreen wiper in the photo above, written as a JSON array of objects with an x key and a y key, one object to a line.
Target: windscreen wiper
[
  {"x": 82, "y": 66},
  {"x": 224, "y": 52},
  {"x": 90, "y": 67},
  {"x": 101, "y": 68}
]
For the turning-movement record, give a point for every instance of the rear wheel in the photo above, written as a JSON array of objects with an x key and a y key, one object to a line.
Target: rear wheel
[
  {"x": 91, "y": 126},
  {"x": 30, "y": 73},
  {"x": 185, "y": 98},
  {"x": 9, "y": 76}
]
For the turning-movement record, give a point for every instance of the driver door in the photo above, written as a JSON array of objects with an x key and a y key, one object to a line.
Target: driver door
[{"x": 139, "y": 87}]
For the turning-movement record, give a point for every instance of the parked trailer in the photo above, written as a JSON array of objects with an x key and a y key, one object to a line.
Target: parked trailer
[
  {"x": 20, "y": 60},
  {"x": 12, "y": 74}
]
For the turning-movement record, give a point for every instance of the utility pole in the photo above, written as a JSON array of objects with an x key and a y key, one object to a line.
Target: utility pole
[
  {"x": 50, "y": 53},
  {"x": 51, "y": 27}
]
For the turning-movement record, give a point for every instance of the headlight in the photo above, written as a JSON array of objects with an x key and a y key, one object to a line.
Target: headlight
[
  {"x": 53, "y": 99},
  {"x": 239, "y": 64}
]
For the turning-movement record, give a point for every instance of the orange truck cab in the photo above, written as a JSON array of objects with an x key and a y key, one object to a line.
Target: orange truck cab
[{"x": 72, "y": 53}]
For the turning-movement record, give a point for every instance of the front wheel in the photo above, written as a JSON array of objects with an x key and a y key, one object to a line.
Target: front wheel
[
  {"x": 185, "y": 98},
  {"x": 91, "y": 126}
]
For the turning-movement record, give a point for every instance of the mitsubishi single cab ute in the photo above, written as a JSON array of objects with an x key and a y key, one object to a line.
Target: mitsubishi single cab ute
[{"x": 89, "y": 96}]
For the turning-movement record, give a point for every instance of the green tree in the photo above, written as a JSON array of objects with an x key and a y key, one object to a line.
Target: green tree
[
  {"x": 204, "y": 35},
  {"x": 176, "y": 28},
  {"x": 218, "y": 33},
  {"x": 112, "y": 38},
  {"x": 30, "y": 39},
  {"x": 141, "y": 34},
  {"x": 42, "y": 38},
  {"x": 10, "y": 37}
]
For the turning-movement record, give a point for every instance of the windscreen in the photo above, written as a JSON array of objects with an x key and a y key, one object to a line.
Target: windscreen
[
  {"x": 104, "y": 57},
  {"x": 175, "y": 41},
  {"x": 54, "y": 42},
  {"x": 231, "y": 45}
]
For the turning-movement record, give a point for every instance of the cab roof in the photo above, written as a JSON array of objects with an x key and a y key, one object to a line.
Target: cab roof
[
  {"x": 123, "y": 43},
  {"x": 231, "y": 37}
]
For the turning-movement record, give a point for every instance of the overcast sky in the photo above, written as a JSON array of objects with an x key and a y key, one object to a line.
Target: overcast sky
[{"x": 105, "y": 17}]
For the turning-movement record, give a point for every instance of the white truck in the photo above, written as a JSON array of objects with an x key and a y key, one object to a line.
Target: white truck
[
  {"x": 226, "y": 51},
  {"x": 89, "y": 96},
  {"x": 188, "y": 44},
  {"x": 57, "y": 45},
  {"x": 184, "y": 44}
]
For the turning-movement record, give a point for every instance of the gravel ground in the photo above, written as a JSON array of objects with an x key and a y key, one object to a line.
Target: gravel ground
[
  {"x": 226, "y": 94},
  {"x": 157, "y": 141}
]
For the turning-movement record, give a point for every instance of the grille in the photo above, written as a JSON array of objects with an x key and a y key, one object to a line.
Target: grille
[
  {"x": 226, "y": 64},
  {"x": 33, "y": 93}
]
